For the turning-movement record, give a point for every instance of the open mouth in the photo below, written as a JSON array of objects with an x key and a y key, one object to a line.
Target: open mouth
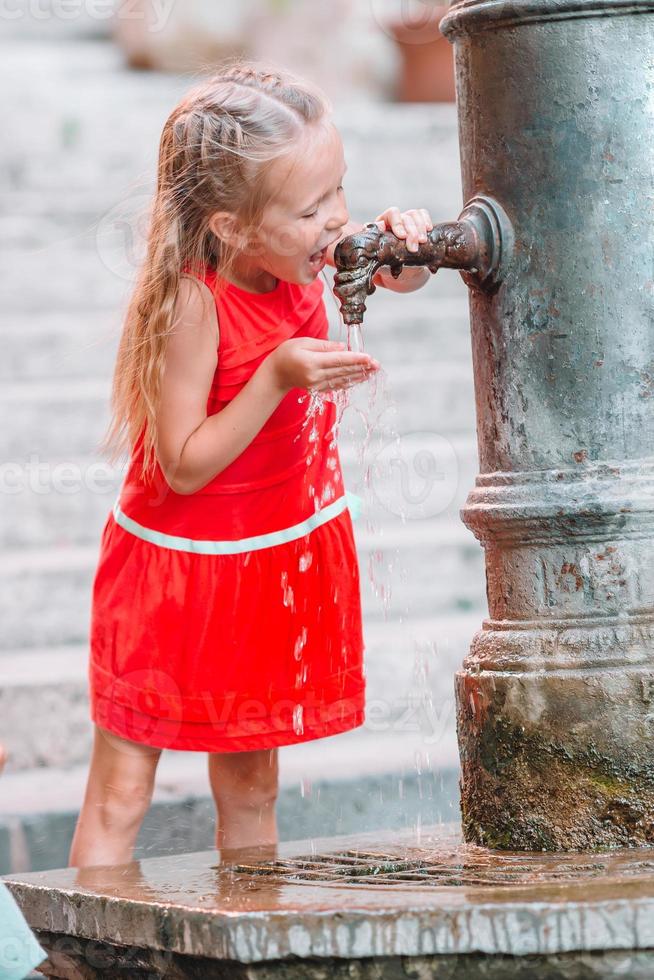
[{"x": 318, "y": 257}]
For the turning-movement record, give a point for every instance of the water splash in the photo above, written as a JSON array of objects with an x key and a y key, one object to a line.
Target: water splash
[
  {"x": 287, "y": 592},
  {"x": 425, "y": 650},
  {"x": 318, "y": 400},
  {"x": 328, "y": 493},
  {"x": 368, "y": 432},
  {"x": 372, "y": 428},
  {"x": 305, "y": 561},
  {"x": 300, "y": 644},
  {"x": 298, "y": 720}
]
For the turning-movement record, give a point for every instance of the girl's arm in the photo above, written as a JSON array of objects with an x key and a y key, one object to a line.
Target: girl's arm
[
  {"x": 401, "y": 224},
  {"x": 193, "y": 447}
]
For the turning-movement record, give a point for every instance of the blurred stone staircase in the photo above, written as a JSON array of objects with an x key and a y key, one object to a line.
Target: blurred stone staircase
[{"x": 77, "y": 166}]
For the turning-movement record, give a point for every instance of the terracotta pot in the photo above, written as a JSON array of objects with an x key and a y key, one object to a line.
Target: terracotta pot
[{"x": 427, "y": 66}]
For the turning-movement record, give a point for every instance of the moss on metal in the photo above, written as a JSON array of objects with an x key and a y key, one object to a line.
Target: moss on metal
[{"x": 523, "y": 791}]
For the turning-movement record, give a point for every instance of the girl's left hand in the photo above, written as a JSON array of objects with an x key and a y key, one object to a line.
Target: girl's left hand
[{"x": 412, "y": 225}]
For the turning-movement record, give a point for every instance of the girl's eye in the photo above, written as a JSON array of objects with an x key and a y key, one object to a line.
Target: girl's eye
[{"x": 314, "y": 213}]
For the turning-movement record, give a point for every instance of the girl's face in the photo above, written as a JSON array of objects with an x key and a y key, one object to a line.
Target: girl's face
[{"x": 307, "y": 213}]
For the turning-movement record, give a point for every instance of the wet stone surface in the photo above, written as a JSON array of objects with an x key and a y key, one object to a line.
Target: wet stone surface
[{"x": 376, "y": 905}]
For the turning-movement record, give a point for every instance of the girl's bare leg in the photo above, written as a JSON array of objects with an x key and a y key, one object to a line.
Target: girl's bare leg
[
  {"x": 245, "y": 786},
  {"x": 118, "y": 795}
]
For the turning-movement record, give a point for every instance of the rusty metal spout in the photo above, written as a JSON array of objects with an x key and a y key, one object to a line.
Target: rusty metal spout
[{"x": 478, "y": 244}]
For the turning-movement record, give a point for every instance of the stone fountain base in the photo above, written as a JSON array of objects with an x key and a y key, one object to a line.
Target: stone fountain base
[{"x": 387, "y": 904}]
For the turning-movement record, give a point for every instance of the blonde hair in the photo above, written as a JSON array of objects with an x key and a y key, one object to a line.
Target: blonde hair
[{"x": 215, "y": 150}]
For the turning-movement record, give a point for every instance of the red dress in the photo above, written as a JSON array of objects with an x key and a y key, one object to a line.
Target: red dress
[{"x": 230, "y": 619}]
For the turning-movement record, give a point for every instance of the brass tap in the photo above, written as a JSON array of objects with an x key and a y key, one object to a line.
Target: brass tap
[{"x": 478, "y": 244}]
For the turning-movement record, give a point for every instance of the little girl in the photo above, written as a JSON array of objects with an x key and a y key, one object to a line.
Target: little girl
[{"x": 226, "y": 610}]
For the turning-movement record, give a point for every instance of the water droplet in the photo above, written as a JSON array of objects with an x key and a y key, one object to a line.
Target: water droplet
[
  {"x": 300, "y": 643},
  {"x": 288, "y": 597},
  {"x": 305, "y": 561},
  {"x": 298, "y": 722},
  {"x": 327, "y": 492}
]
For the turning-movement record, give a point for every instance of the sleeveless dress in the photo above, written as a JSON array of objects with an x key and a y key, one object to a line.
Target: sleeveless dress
[{"x": 229, "y": 619}]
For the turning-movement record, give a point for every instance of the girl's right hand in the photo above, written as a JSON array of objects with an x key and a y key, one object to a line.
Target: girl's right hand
[{"x": 306, "y": 362}]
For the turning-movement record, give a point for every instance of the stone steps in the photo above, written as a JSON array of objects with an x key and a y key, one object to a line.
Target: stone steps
[{"x": 409, "y": 670}]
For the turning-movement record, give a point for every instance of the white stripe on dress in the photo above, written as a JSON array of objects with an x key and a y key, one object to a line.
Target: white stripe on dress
[{"x": 254, "y": 543}]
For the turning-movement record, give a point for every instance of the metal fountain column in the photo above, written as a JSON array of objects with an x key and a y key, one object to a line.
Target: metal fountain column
[{"x": 555, "y": 701}]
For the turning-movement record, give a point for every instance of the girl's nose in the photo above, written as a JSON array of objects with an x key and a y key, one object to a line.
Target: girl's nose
[{"x": 339, "y": 218}]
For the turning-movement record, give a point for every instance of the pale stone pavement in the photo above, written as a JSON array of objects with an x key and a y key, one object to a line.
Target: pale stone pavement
[{"x": 77, "y": 163}]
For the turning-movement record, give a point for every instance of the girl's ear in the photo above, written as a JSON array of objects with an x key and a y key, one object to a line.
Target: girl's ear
[{"x": 225, "y": 226}]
